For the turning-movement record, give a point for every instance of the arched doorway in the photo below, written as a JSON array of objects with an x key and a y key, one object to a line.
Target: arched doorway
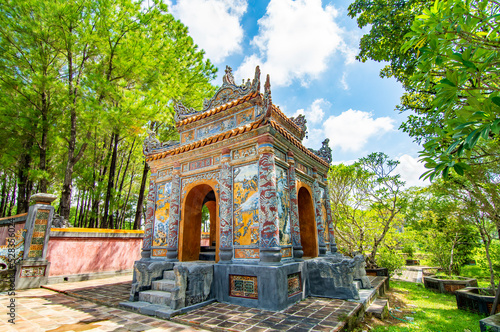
[
  {"x": 191, "y": 223},
  {"x": 307, "y": 223}
]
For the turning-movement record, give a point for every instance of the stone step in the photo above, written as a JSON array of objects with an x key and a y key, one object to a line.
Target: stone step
[
  {"x": 207, "y": 249},
  {"x": 166, "y": 285},
  {"x": 207, "y": 256},
  {"x": 379, "y": 308},
  {"x": 169, "y": 275},
  {"x": 155, "y": 297}
]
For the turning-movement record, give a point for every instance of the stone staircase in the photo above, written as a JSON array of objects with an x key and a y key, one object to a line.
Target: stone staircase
[
  {"x": 158, "y": 300},
  {"x": 207, "y": 253}
]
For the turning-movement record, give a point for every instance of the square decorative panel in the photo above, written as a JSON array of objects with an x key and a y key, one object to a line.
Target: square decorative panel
[
  {"x": 294, "y": 284},
  {"x": 243, "y": 286}
]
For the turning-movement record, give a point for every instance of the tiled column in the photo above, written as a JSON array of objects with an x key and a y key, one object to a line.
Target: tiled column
[
  {"x": 329, "y": 220},
  {"x": 225, "y": 210},
  {"x": 268, "y": 214},
  {"x": 294, "y": 209},
  {"x": 150, "y": 217},
  {"x": 318, "y": 213},
  {"x": 173, "y": 226}
]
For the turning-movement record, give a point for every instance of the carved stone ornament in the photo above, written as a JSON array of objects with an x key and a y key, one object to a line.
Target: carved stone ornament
[
  {"x": 228, "y": 91},
  {"x": 150, "y": 143},
  {"x": 300, "y": 121},
  {"x": 325, "y": 152}
]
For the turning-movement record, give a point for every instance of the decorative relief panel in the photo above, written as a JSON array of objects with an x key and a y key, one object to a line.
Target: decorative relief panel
[
  {"x": 246, "y": 253},
  {"x": 199, "y": 177},
  {"x": 286, "y": 252},
  {"x": 245, "y": 152},
  {"x": 162, "y": 213},
  {"x": 217, "y": 160},
  {"x": 32, "y": 271},
  {"x": 39, "y": 230},
  {"x": 294, "y": 284},
  {"x": 283, "y": 205},
  {"x": 197, "y": 164},
  {"x": 324, "y": 216},
  {"x": 244, "y": 117},
  {"x": 246, "y": 205},
  {"x": 166, "y": 173},
  {"x": 280, "y": 154},
  {"x": 187, "y": 137},
  {"x": 243, "y": 286},
  {"x": 302, "y": 168},
  {"x": 156, "y": 252}
]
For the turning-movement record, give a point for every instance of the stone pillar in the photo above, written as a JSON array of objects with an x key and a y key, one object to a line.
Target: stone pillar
[
  {"x": 150, "y": 217},
  {"x": 318, "y": 214},
  {"x": 294, "y": 210},
  {"x": 175, "y": 214},
  {"x": 225, "y": 210},
  {"x": 270, "y": 252},
  {"x": 33, "y": 270},
  {"x": 329, "y": 220}
]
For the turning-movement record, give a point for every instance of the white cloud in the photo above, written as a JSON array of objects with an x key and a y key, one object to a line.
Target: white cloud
[
  {"x": 314, "y": 113},
  {"x": 213, "y": 24},
  {"x": 410, "y": 170},
  {"x": 295, "y": 41},
  {"x": 343, "y": 81},
  {"x": 351, "y": 130}
]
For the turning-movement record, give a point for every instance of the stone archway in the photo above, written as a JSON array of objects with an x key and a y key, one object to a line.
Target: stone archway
[
  {"x": 307, "y": 223},
  {"x": 190, "y": 225}
]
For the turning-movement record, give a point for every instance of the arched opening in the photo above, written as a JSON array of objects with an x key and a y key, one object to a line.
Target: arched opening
[
  {"x": 190, "y": 235},
  {"x": 307, "y": 223}
]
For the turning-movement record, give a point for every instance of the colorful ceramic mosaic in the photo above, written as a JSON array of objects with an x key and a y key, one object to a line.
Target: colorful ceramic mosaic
[
  {"x": 269, "y": 236},
  {"x": 283, "y": 205},
  {"x": 173, "y": 225},
  {"x": 286, "y": 252},
  {"x": 329, "y": 218},
  {"x": 225, "y": 204},
  {"x": 245, "y": 152},
  {"x": 243, "y": 286},
  {"x": 246, "y": 253},
  {"x": 294, "y": 207},
  {"x": 324, "y": 216},
  {"x": 150, "y": 214},
  {"x": 246, "y": 205},
  {"x": 294, "y": 284},
  {"x": 9, "y": 258},
  {"x": 319, "y": 214},
  {"x": 39, "y": 230},
  {"x": 32, "y": 271},
  {"x": 155, "y": 252},
  {"x": 162, "y": 213},
  {"x": 200, "y": 163}
]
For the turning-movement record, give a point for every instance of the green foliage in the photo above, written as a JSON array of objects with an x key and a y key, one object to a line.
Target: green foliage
[
  {"x": 458, "y": 47},
  {"x": 390, "y": 259},
  {"x": 494, "y": 252},
  {"x": 366, "y": 202},
  {"x": 408, "y": 249}
]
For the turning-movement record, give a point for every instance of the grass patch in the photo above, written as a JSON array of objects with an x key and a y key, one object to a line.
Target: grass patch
[{"x": 414, "y": 308}]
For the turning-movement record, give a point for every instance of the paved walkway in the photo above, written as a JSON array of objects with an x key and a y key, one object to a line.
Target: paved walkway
[
  {"x": 410, "y": 273},
  {"x": 93, "y": 306}
]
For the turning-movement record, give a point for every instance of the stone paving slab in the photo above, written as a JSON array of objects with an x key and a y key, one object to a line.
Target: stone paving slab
[
  {"x": 311, "y": 314},
  {"x": 46, "y": 310}
]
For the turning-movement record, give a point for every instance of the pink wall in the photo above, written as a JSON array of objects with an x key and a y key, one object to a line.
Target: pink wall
[
  {"x": 76, "y": 255},
  {"x": 4, "y": 229}
]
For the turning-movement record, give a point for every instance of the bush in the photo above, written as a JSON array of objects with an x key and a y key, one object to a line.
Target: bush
[
  {"x": 482, "y": 262},
  {"x": 390, "y": 259}
]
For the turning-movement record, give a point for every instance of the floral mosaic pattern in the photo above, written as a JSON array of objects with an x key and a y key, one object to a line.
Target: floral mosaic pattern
[
  {"x": 225, "y": 212},
  {"x": 173, "y": 225},
  {"x": 320, "y": 225},
  {"x": 268, "y": 201},
  {"x": 243, "y": 286},
  {"x": 294, "y": 209},
  {"x": 246, "y": 205},
  {"x": 162, "y": 213},
  {"x": 324, "y": 216},
  {"x": 283, "y": 206}
]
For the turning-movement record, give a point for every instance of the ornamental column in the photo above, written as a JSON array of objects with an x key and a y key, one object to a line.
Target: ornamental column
[
  {"x": 225, "y": 209},
  {"x": 150, "y": 216},
  {"x": 329, "y": 220},
  {"x": 173, "y": 226},
  {"x": 270, "y": 252},
  {"x": 318, "y": 213},
  {"x": 294, "y": 210}
]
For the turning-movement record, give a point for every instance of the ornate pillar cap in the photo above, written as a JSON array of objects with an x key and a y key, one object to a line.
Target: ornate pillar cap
[
  {"x": 265, "y": 139},
  {"x": 225, "y": 151},
  {"x": 43, "y": 198},
  {"x": 290, "y": 154}
]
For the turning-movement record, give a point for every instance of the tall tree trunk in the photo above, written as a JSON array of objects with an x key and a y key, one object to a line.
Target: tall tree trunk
[
  {"x": 111, "y": 180},
  {"x": 42, "y": 185},
  {"x": 13, "y": 198},
  {"x": 3, "y": 203},
  {"x": 140, "y": 200},
  {"x": 23, "y": 184}
]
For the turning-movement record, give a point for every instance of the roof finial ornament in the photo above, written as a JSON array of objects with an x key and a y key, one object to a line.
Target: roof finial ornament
[
  {"x": 228, "y": 78},
  {"x": 256, "y": 79},
  {"x": 268, "y": 101}
]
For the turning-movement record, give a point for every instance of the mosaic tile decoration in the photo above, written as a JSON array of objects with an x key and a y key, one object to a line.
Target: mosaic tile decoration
[
  {"x": 158, "y": 252},
  {"x": 286, "y": 252},
  {"x": 32, "y": 271},
  {"x": 324, "y": 216},
  {"x": 246, "y": 253},
  {"x": 283, "y": 206},
  {"x": 294, "y": 284},
  {"x": 243, "y": 286},
  {"x": 39, "y": 230},
  {"x": 246, "y": 205},
  {"x": 197, "y": 164},
  {"x": 162, "y": 213}
]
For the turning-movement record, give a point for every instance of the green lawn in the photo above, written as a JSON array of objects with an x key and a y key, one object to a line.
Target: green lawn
[{"x": 414, "y": 308}]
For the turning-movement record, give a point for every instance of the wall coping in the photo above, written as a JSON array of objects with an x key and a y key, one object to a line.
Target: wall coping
[
  {"x": 14, "y": 219},
  {"x": 95, "y": 232}
]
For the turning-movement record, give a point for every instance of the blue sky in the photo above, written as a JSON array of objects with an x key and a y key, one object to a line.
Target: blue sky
[{"x": 308, "y": 48}]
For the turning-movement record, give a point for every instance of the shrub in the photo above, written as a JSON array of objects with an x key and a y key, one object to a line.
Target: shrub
[{"x": 390, "y": 259}]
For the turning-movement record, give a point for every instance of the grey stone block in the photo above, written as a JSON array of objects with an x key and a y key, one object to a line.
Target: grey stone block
[
  {"x": 164, "y": 285},
  {"x": 155, "y": 297}
]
